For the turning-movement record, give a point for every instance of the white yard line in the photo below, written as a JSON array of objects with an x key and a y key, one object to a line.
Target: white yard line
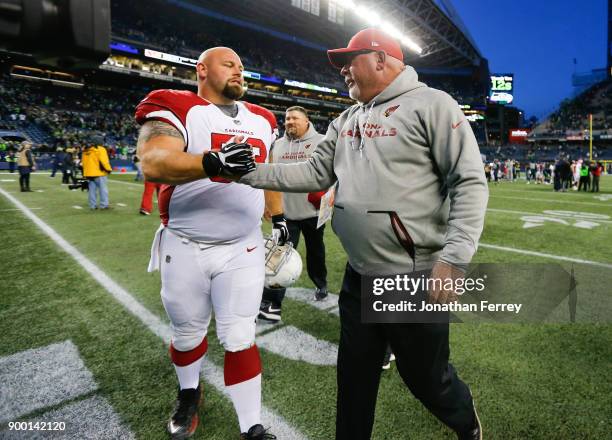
[
  {"x": 544, "y": 255},
  {"x": 16, "y": 209},
  {"x": 294, "y": 344},
  {"x": 569, "y": 193},
  {"x": 544, "y": 214},
  {"x": 529, "y": 199},
  {"x": 210, "y": 372},
  {"x": 42, "y": 377}
]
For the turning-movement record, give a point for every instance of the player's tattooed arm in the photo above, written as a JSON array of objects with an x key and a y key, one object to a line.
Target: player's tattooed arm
[
  {"x": 161, "y": 149},
  {"x": 151, "y": 129}
]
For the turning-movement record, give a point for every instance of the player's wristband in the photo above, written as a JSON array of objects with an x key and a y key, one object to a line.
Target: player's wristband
[{"x": 212, "y": 164}]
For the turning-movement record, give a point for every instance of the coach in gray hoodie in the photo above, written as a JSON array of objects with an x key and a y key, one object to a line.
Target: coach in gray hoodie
[{"x": 411, "y": 195}]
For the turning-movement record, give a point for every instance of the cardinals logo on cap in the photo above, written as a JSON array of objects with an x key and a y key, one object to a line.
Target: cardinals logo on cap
[{"x": 390, "y": 110}]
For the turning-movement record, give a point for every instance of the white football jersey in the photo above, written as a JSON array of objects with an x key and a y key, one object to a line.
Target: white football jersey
[{"x": 210, "y": 210}]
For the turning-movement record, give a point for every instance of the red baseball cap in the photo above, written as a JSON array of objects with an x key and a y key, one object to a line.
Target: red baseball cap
[{"x": 367, "y": 39}]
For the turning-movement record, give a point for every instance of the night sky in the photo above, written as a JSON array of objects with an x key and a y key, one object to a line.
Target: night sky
[{"x": 537, "y": 40}]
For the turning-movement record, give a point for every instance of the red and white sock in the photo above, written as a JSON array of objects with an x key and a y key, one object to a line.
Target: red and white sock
[
  {"x": 243, "y": 381},
  {"x": 188, "y": 364}
]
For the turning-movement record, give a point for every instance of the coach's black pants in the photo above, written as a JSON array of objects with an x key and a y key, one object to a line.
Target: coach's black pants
[{"x": 421, "y": 352}]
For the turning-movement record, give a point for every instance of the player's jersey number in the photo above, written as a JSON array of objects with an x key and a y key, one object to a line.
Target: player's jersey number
[{"x": 217, "y": 140}]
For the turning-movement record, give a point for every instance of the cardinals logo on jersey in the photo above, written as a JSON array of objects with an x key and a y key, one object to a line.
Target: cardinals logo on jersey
[{"x": 390, "y": 110}]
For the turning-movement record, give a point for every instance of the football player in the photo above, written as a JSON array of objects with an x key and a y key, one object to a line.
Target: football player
[{"x": 209, "y": 247}]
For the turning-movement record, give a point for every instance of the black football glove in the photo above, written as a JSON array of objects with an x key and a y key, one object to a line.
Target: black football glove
[
  {"x": 234, "y": 159},
  {"x": 280, "y": 233}
]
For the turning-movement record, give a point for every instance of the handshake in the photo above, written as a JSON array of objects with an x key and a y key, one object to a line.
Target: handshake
[{"x": 232, "y": 160}]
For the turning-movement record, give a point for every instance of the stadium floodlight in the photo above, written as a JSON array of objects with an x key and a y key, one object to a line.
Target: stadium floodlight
[
  {"x": 346, "y": 4},
  {"x": 65, "y": 33},
  {"x": 411, "y": 45},
  {"x": 374, "y": 19},
  {"x": 368, "y": 15},
  {"x": 390, "y": 29}
]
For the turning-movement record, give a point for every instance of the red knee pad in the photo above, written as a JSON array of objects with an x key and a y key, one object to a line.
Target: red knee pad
[
  {"x": 184, "y": 358},
  {"x": 241, "y": 366}
]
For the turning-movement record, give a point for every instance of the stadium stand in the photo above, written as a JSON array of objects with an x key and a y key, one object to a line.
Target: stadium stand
[
  {"x": 102, "y": 104},
  {"x": 572, "y": 115},
  {"x": 58, "y": 117}
]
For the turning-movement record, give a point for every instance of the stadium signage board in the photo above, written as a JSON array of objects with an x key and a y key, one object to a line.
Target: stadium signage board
[
  {"x": 502, "y": 88},
  {"x": 303, "y": 85},
  {"x": 261, "y": 77},
  {"x": 150, "y": 53},
  {"x": 518, "y": 135},
  {"x": 122, "y": 47},
  {"x": 473, "y": 117}
]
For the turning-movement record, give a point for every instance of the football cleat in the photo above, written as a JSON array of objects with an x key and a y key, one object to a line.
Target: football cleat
[
  {"x": 475, "y": 433},
  {"x": 389, "y": 357},
  {"x": 184, "y": 421},
  {"x": 320, "y": 294},
  {"x": 283, "y": 264},
  {"x": 269, "y": 312},
  {"x": 257, "y": 432}
]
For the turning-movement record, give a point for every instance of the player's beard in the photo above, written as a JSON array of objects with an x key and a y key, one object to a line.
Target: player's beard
[
  {"x": 232, "y": 91},
  {"x": 291, "y": 132}
]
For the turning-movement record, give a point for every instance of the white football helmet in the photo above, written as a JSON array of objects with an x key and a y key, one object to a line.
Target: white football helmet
[{"x": 283, "y": 264}]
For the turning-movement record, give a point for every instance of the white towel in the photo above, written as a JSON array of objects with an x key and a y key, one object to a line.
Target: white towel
[{"x": 155, "y": 260}]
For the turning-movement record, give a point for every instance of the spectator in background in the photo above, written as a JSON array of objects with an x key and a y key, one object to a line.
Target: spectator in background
[
  {"x": 146, "y": 204},
  {"x": 69, "y": 167},
  {"x": 96, "y": 168},
  {"x": 56, "y": 163},
  {"x": 136, "y": 160},
  {"x": 301, "y": 210},
  {"x": 530, "y": 173},
  {"x": 566, "y": 174},
  {"x": 26, "y": 165},
  {"x": 584, "y": 177},
  {"x": 66, "y": 166},
  {"x": 557, "y": 175},
  {"x": 596, "y": 170},
  {"x": 12, "y": 161}
]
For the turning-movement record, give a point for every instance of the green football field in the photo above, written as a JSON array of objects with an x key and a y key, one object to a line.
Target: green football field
[{"x": 89, "y": 285}]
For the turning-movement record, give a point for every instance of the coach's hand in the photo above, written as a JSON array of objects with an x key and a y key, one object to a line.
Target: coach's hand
[
  {"x": 234, "y": 159},
  {"x": 280, "y": 232},
  {"x": 443, "y": 271}
]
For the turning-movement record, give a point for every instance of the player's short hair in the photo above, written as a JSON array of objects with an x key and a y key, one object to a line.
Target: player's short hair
[{"x": 297, "y": 108}]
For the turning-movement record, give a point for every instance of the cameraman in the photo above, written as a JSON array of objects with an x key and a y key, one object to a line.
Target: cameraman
[{"x": 96, "y": 168}]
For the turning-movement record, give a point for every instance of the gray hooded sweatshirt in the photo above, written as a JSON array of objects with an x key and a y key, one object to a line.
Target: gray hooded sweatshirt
[
  {"x": 287, "y": 150},
  {"x": 411, "y": 185}
]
